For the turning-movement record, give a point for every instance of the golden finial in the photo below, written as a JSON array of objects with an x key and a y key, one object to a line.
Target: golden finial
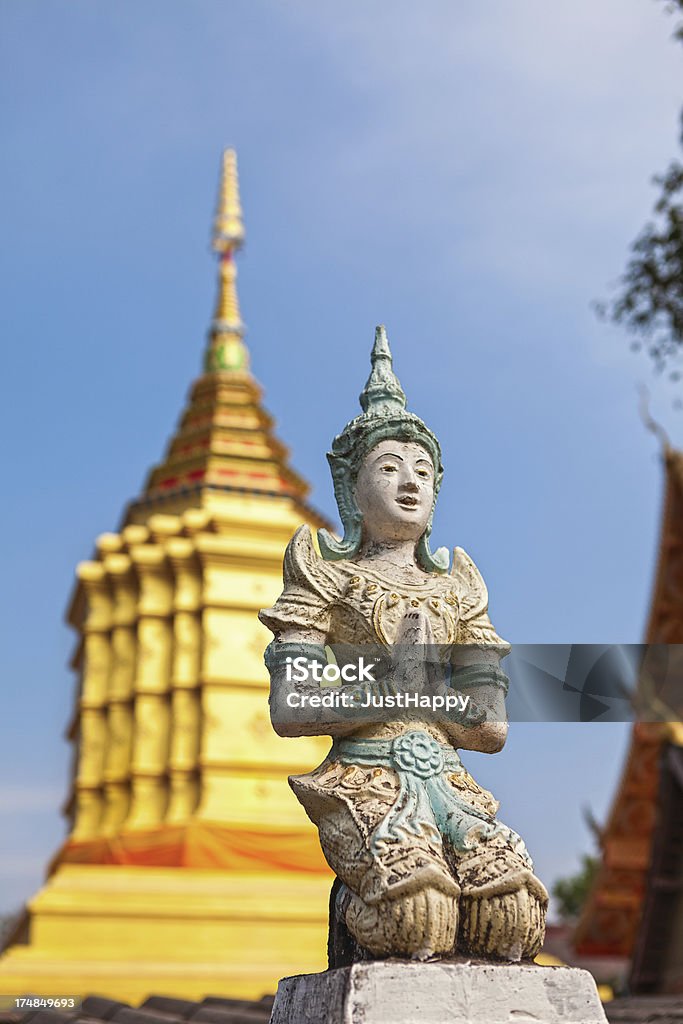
[
  {"x": 228, "y": 229},
  {"x": 227, "y": 316},
  {"x": 227, "y": 351}
]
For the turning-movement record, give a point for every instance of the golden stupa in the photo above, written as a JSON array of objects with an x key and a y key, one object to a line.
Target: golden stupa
[{"x": 188, "y": 869}]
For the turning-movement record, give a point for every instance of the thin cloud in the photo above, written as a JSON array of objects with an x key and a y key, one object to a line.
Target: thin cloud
[{"x": 528, "y": 120}]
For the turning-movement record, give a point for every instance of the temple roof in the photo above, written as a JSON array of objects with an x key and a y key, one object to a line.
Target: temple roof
[
  {"x": 658, "y": 955},
  {"x": 160, "y": 1010},
  {"x": 225, "y": 441},
  {"x": 612, "y": 915},
  {"x": 154, "y": 1010}
]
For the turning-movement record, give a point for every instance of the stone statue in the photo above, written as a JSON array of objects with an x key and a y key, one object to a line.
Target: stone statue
[{"x": 424, "y": 869}]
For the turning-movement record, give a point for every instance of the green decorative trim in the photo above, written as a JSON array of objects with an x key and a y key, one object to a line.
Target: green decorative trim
[
  {"x": 226, "y": 354},
  {"x": 426, "y": 803},
  {"x": 276, "y": 654},
  {"x": 472, "y": 676}
]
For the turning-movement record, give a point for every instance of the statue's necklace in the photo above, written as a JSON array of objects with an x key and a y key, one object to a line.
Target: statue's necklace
[{"x": 395, "y": 572}]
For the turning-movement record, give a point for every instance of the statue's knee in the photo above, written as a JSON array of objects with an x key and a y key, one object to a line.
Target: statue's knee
[
  {"x": 508, "y": 925},
  {"x": 419, "y": 924}
]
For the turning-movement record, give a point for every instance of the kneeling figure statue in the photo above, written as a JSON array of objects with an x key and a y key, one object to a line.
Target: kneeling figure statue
[{"x": 424, "y": 868}]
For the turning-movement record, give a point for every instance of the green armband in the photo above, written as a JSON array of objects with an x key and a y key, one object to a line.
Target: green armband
[
  {"x": 473, "y": 676},
  {"x": 278, "y": 655}
]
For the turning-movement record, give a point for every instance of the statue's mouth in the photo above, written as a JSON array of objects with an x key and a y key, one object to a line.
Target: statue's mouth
[{"x": 407, "y": 501}]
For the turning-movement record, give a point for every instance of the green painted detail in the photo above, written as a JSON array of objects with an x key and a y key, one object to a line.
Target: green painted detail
[
  {"x": 228, "y": 354},
  {"x": 426, "y": 803},
  {"x": 278, "y": 652},
  {"x": 384, "y": 417}
]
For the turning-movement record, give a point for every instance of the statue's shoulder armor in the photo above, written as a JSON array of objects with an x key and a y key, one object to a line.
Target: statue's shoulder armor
[
  {"x": 304, "y": 568},
  {"x": 474, "y": 626},
  {"x": 310, "y": 589},
  {"x": 470, "y": 587}
]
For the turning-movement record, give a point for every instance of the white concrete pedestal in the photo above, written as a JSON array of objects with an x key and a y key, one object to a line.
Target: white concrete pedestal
[{"x": 401, "y": 992}]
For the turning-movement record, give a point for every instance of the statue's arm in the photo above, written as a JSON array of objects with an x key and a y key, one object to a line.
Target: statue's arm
[
  {"x": 476, "y": 658},
  {"x": 300, "y": 621},
  {"x": 477, "y": 674},
  {"x": 295, "y": 708}
]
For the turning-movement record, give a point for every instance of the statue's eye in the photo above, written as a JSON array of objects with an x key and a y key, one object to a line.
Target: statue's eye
[
  {"x": 388, "y": 467},
  {"x": 424, "y": 473}
]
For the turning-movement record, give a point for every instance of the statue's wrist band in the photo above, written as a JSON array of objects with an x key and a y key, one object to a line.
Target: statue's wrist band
[
  {"x": 472, "y": 676},
  {"x": 277, "y": 655}
]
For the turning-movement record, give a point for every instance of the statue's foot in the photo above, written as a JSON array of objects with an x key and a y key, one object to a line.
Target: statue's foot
[
  {"x": 418, "y": 924},
  {"x": 342, "y": 948},
  {"x": 507, "y": 926}
]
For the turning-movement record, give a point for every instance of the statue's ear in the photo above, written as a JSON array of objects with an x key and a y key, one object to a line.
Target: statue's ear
[{"x": 332, "y": 549}]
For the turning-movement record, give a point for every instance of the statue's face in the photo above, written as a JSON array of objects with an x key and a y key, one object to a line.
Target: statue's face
[{"x": 395, "y": 491}]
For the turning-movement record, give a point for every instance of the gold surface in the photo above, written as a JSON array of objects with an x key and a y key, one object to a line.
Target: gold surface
[{"x": 134, "y": 932}]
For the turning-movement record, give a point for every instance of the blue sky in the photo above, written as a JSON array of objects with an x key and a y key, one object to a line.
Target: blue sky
[{"x": 470, "y": 174}]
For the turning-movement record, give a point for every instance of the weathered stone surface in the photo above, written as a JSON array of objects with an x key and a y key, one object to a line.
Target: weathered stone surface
[{"x": 395, "y": 992}]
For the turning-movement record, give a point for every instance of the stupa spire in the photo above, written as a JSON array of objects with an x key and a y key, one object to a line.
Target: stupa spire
[
  {"x": 226, "y": 351},
  {"x": 224, "y": 445}
]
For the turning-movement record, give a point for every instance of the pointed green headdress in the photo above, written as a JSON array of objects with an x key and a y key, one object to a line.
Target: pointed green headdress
[{"x": 384, "y": 417}]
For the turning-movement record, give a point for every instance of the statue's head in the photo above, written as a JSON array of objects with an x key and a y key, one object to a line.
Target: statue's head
[{"x": 369, "y": 474}]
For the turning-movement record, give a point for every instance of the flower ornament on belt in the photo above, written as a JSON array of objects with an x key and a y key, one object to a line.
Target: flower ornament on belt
[{"x": 418, "y": 753}]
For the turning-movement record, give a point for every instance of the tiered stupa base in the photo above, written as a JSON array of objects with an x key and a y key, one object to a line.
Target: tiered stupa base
[{"x": 131, "y": 932}]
